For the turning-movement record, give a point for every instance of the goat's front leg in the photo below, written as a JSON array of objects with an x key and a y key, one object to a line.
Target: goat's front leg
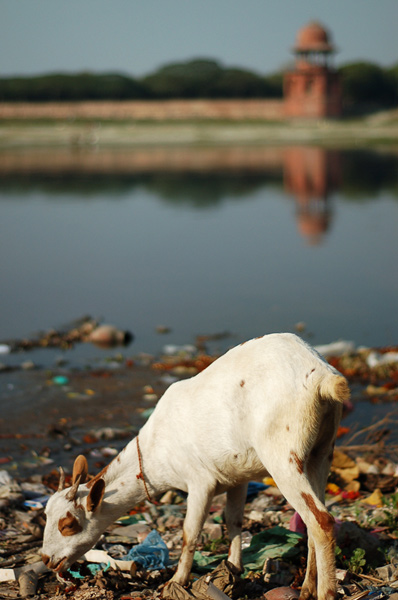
[
  {"x": 236, "y": 499},
  {"x": 198, "y": 505}
]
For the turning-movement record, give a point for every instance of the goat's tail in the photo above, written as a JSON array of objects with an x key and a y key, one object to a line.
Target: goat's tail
[{"x": 334, "y": 387}]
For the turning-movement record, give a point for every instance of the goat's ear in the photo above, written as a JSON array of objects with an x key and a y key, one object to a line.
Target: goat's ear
[
  {"x": 95, "y": 495},
  {"x": 80, "y": 467}
]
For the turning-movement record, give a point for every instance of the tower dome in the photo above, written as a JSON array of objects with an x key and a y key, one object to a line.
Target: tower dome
[
  {"x": 313, "y": 88},
  {"x": 313, "y": 38}
]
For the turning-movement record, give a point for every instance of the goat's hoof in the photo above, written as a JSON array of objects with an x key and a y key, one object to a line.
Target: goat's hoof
[{"x": 306, "y": 594}]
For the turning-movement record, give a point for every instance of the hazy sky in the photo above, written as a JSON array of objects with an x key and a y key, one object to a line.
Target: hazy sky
[{"x": 137, "y": 36}]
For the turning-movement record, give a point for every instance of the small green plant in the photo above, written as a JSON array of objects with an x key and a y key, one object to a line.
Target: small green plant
[
  {"x": 214, "y": 545},
  {"x": 390, "y": 505},
  {"x": 357, "y": 560},
  {"x": 355, "y": 563}
]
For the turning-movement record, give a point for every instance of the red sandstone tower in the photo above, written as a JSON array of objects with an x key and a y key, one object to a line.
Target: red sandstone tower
[{"x": 313, "y": 89}]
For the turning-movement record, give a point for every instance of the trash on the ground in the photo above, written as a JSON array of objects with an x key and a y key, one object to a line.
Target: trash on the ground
[
  {"x": 103, "y": 452},
  {"x": 39, "y": 502},
  {"x": 149, "y": 394},
  {"x": 388, "y": 572},
  {"x": 297, "y": 524},
  {"x": 276, "y": 542},
  {"x": 10, "y": 490},
  {"x": 254, "y": 488},
  {"x": 278, "y": 572},
  {"x": 13, "y": 574},
  {"x": 336, "y": 348},
  {"x": 362, "y": 495},
  {"x": 151, "y": 554},
  {"x": 108, "y": 336},
  {"x": 102, "y": 557},
  {"x": 147, "y": 413},
  {"x": 345, "y": 468},
  {"x": 136, "y": 531},
  {"x": 185, "y": 350},
  {"x": 93, "y": 568},
  {"x": 282, "y": 593},
  {"x": 375, "y": 359},
  {"x": 342, "y": 576},
  {"x": 28, "y": 583},
  {"x": 28, "y": 365},
  {"x": 60, "y": 380},
  {"x": 246, "y": 539},
  {"x": 375, "y": 499},
  {"x": 223, "y": 583}
]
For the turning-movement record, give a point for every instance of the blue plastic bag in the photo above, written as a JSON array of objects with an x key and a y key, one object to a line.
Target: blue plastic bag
[{"x": 152, "y": 553}]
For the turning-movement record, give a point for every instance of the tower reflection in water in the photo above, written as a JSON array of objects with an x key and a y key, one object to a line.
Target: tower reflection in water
[{"x": 311, "y": 175}]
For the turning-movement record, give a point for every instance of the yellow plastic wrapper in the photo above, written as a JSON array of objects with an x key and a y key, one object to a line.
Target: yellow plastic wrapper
[
  {"x": 269, "y": 481},
  {"x": 375, "y": 499},
  {"x": 332, "y": 488}
]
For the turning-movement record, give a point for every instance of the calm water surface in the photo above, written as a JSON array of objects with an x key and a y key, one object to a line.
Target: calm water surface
[{"x": 202, "y": 243}]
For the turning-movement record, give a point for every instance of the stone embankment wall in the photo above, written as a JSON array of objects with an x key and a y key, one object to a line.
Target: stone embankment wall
[
  {"x": 177, "y": 110},
  {"x": 128, "y": 161}
]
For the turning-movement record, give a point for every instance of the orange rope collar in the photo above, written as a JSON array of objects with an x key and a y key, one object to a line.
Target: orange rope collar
[{"x": 141, "y": 474}]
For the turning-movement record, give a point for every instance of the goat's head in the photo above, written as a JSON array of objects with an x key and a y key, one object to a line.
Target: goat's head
[{"x": 73, "y": 524}]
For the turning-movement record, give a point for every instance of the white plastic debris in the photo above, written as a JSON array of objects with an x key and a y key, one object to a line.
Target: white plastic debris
[
  {"x": 100, "y": 556},
  {"x": 375, "y": 359},
  {"x": 14, "y": 574},
  {"x": 173, "y": 349},
  {"x": 214, "y": 592},
  {"x": 336, "y": 348},
  {"x": 8, "y": 485}
]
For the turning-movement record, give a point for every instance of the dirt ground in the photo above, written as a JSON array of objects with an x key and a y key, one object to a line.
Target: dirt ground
[{"x": 55, "y": 418}]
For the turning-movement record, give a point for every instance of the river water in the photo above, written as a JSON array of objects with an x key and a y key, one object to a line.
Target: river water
[{"x": 246, "y": 240}]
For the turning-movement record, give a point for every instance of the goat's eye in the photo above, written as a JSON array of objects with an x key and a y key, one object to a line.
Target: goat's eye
[{"x": 69, "y": 525}]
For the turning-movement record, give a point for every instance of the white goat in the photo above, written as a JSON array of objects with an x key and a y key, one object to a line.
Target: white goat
[{"x": 269, "y": 406}]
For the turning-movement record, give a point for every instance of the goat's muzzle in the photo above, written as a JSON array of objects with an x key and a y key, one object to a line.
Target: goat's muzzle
[{"x": 53, "y": 565}]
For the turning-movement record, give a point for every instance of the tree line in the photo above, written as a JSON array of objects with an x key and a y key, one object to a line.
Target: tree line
[{"x": 362, "y": 82}]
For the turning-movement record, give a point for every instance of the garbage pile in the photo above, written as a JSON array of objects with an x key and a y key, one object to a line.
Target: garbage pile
[
  {"x": 137, "y": 555},
  {"x": 86, "y": 329}
]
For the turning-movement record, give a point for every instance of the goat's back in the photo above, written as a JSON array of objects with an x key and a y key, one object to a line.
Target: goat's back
[{"x": 256, "y": 391}]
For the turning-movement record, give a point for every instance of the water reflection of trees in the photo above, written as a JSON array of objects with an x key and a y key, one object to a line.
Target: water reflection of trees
[
  {"x": 359, "y": 174},
  {"x": 366, "y": 174},
  {"x": 190, "y": 189},
  {"x": 207, "y": 190}
]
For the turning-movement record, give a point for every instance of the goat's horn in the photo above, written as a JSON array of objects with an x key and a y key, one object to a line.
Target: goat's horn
[
  {"x": 61, "y": 484},
  {"x": 71, "y": 495}
]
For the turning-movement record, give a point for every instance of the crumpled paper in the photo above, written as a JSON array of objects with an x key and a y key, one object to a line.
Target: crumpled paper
[{"x": 223, "y": 583}]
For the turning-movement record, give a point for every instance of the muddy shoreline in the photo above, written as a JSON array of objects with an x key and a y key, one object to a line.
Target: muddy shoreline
[{"x": 51, "y": 420}]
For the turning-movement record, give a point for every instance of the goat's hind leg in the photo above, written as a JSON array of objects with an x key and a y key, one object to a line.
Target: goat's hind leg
[
  {"x": 318, "y": 468},
  {"x": 308, "y": 589},
  {"x": 236, "y": 499},
  {"x": 294, "y": 485}
]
